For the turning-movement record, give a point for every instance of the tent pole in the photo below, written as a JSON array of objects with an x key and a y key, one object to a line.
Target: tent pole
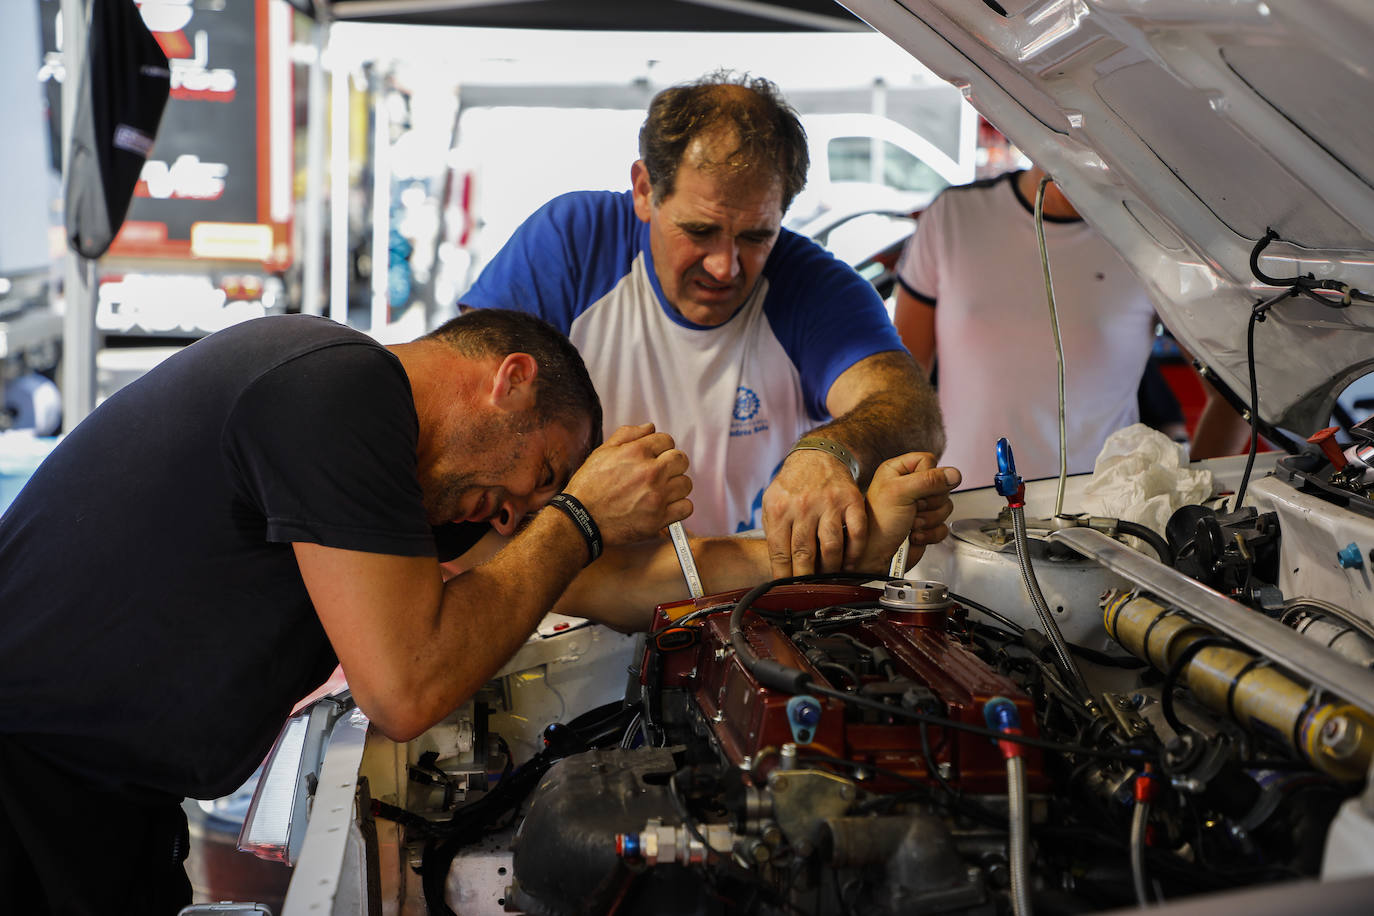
[
  {"x": 312, "y": 269},
  {"x": 339, "y": 266},
  {"x": 381, "y": 205},
  {"x": 79, "y": 338}
]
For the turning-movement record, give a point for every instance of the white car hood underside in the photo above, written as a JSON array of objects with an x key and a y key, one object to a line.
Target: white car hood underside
[{"x": 1183, "y": 130}]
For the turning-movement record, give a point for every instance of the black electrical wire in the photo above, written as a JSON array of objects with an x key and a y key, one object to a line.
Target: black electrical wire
[
  {"x": 867, "y": 605},
  {"x": 768, "y": 672},
  {"x": 1149, "y": 536},
  {"x": 933, "y": 765},
  {"x": 1097, "y": 657},
  {"x": 699, "y": 613},
  {"x": 1166, "y": 687},
  {"x": 1306, "y": 285},
  {"x": 1138, "y": 755},
  {"x": 1256, "y": 315},
  {"x": 1106, "y": 660},
  {"x": 778, "y": 676},
  {"x": 470, "y": 822},
  {"x": 474, "y": 821},
  {"x": 1016, "y": 629},
  {"x": 680, "y": 805},
  {"x": 984, "y": 609},
  {"x": 966, "y": 806},
  {"x": 837, "y": 668}
]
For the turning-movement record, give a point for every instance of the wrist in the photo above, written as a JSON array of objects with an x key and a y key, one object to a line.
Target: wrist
[
  {"x": 572, "y": 507},
  {"x": 832, "y": 448}
]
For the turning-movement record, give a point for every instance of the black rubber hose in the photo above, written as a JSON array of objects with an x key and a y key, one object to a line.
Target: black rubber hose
[
  {"x": 768, "y": 672},
  {"x": 469, "y": 823},
  {"x": 1166, "y": 688},
  {"x": 1149, "y": 536}
]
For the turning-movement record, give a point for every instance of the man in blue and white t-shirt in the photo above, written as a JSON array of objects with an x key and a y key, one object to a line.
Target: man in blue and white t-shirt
[{"x": 773, "y": 365}]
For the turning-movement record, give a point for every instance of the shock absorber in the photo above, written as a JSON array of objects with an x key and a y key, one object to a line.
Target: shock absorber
[{"x": 1334, "y": 736}]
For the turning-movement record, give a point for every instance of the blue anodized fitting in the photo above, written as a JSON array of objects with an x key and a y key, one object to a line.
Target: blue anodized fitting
[
  {"x": 803, "y": 715},
  {"x": 1007, "y": 482},
  {"x": 1000, "y": 713}
]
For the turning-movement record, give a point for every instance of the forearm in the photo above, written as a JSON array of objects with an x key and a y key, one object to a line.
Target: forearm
[
  {"x": 442, "y": 642},
  {"x": 1220, "y": 430},
  {"x": 622, "y": 588},
  {"x": 489, "y": 619},
  {"x": 915, "y": 323},
  {"x": 896, "y": 412}
]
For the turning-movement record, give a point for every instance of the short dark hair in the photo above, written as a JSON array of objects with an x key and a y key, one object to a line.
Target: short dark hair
[
  {"x": 769, "y": 131},
  {"x": 563, "y": 391}
]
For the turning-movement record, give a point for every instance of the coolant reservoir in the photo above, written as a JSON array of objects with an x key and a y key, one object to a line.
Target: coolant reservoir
[{"x": 978, "y": 561}]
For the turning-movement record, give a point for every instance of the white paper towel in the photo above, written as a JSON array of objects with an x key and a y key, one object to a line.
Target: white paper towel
[{"x": 1141, "y": 475}]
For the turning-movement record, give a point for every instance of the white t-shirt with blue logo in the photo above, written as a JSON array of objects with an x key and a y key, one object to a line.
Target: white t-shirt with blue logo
[{"x": 734, "y": 397}]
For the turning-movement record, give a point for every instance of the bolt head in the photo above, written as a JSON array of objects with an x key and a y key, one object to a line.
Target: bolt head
[
  {"x": 1334, "y": 729},
  {"x": 1341, "y": 736},
  {"x": 806, "y": 713}
]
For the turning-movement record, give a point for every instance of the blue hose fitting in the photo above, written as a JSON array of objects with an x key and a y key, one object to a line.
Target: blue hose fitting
[
  {"x": 1007, "y": 481},
  {"x": 1001, "y": 715},
  {"x": 803, "y": 715}
]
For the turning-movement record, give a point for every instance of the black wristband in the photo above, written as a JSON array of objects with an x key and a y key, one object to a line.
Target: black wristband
[{"x": 573, "y": 509}]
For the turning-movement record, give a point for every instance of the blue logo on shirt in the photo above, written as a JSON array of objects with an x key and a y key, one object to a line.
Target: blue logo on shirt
[
  {"x": 746, "y": 403},
  {"x": 747, "y": 417}
]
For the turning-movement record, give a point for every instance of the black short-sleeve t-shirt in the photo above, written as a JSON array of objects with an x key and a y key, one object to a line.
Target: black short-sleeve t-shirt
[{"x": 154, "y": 628}]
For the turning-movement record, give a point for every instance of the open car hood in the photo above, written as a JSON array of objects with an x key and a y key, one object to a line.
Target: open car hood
[{"x": 1184, "y": 130}]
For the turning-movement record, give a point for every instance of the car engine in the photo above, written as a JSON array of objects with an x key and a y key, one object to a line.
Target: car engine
[
  {"x": 1036, "y": 717},
  {"x": 839, "y": 744}
]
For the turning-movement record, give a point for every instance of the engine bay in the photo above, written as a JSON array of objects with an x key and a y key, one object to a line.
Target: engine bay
[{"x": 840, "y": 744}]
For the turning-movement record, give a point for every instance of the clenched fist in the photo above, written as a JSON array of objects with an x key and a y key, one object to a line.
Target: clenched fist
[
  {"x": 634, "y": 484},
  {"x": 909, "y": 497}
]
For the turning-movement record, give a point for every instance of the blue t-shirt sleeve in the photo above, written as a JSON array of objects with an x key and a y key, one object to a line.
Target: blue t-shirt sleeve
[
  {"x": 826, "y": 316},
  {"x": 565, "y": 257}
]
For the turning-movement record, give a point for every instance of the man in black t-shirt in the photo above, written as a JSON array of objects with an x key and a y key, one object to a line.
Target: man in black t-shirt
[{"x": 197, "y": 555}]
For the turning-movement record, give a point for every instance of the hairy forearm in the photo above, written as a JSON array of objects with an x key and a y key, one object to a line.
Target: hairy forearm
[
  {"x": 496, "y": 619},
  {"x": 899, "y": 412},
  {"x": 414, "y": 647}
]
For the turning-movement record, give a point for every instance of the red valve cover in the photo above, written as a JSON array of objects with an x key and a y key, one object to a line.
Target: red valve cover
[{"x": 750, "y": 720}]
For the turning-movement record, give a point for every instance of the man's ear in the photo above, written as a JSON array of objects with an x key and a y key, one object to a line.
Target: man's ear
[
  {"x": 512, "y": 386},
  {"x": 643, "y": 190}
]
